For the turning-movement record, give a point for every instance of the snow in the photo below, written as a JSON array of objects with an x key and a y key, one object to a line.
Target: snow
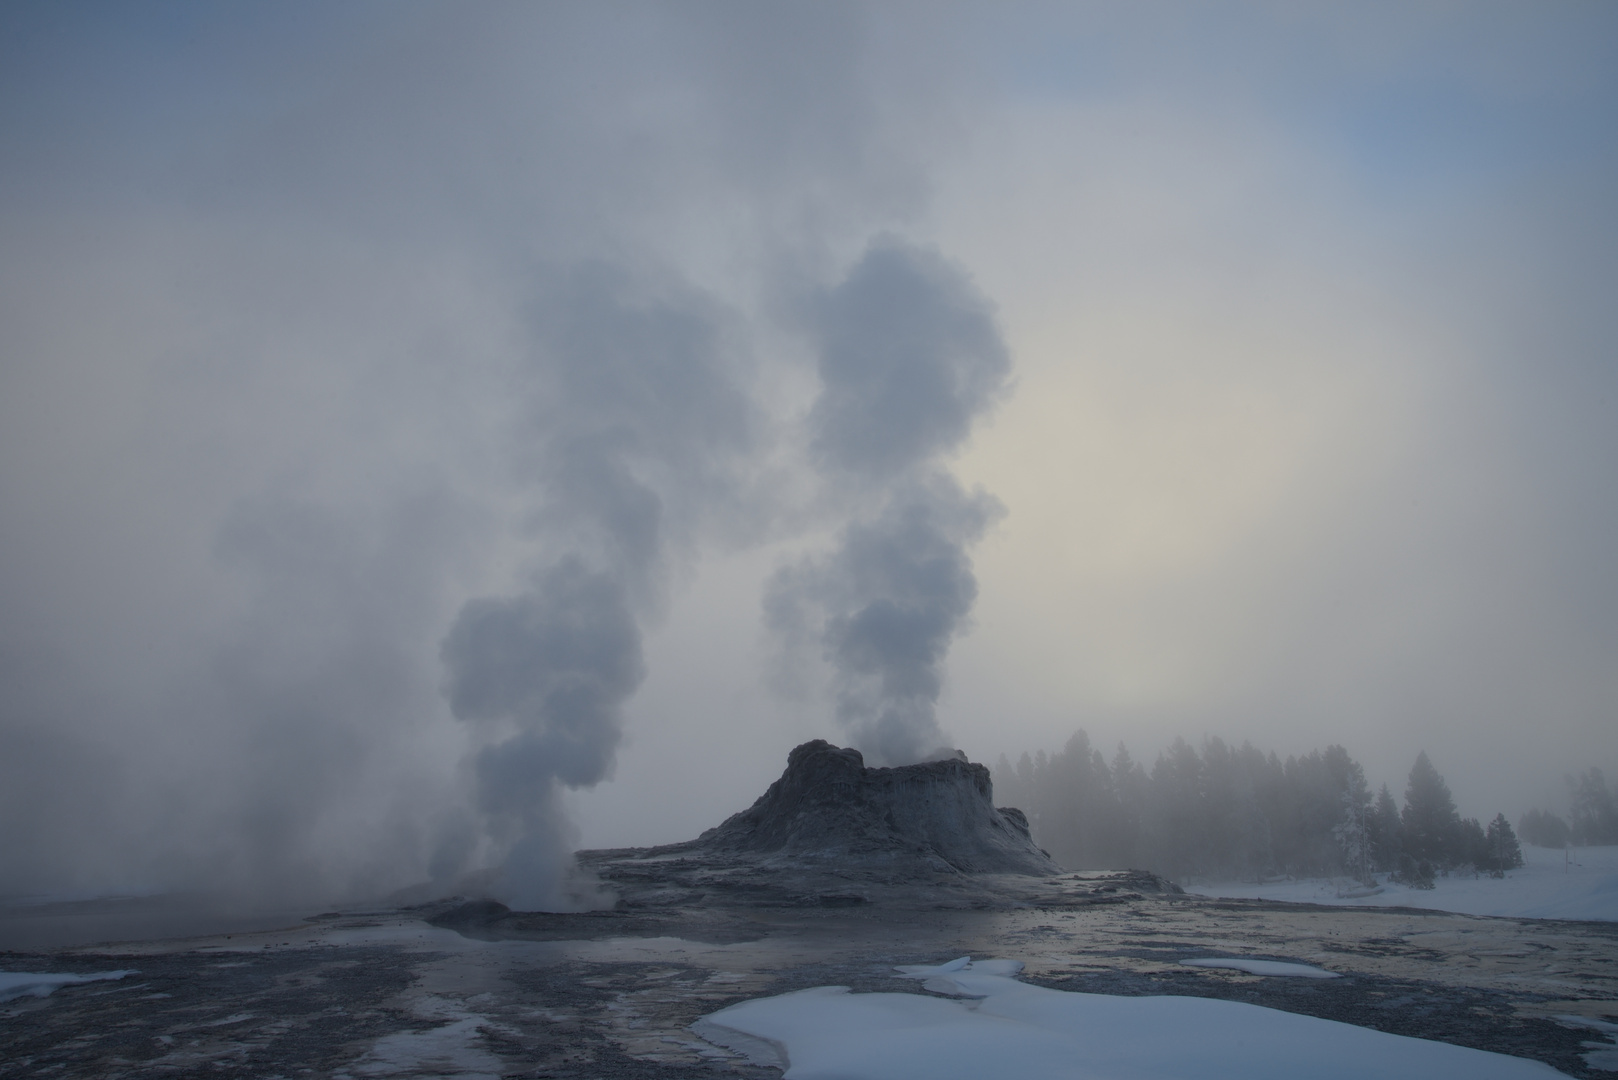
[
  {"x": 1600, "y": 1055},
  {"x": 1009, "y": 1028},
  {"x": 1577, "y": 884},
  {"x": 1262, "y": 967},
  {"x": 16, "y": 984}
]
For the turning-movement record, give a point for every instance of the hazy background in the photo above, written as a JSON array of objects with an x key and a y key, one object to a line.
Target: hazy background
[{"x": 352, "y": 359}]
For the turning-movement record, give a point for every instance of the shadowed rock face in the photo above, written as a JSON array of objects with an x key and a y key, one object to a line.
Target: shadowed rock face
[{"x": 828, "y": 805}]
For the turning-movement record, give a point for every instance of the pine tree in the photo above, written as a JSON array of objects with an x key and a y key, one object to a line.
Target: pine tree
[
  {"x": 1221, "y": 807},
  {"x": 1347, "y": 780},
  {"x": 1006, "y": 789},
  {"x": 1177, "y": 826},
  {"x": 1386, "y": 831},
  {"x": 1252, "y": 846},
  {"x": 1471, "y": 845},
  {"x": 1595, "y": 815},
  {"x": 1129, "y": 785},
  {"x": 1544, "y": 829},
  {"x": 1504, "y": 852},
  {"x": 1068, "y": 804},
  {"x": 1431, "y": 825},
  {"x": 1353, "y": 837}
]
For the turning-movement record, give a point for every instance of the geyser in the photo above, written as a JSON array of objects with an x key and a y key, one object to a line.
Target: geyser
[
  {"x": 831, "y": 832},
  {"x": 829, "y": 807}
]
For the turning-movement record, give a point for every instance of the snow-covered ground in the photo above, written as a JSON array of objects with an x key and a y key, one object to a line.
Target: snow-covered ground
[
  {"x": 1577, "y": 884},
  {"x": 998, "y": 1026}
]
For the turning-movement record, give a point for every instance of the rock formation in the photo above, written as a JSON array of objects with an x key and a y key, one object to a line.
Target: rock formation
[
  {"x": 828, "y": 807},
  {"x": 830, "y": 833}
]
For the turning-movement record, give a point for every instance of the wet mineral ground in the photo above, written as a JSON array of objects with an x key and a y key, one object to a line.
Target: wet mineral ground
[{"x": 472, "y": 990}]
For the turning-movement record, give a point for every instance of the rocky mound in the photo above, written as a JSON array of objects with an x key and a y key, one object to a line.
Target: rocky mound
[
  {"x": 829, "y": 807},
  {"x": 830, "y": 833}
]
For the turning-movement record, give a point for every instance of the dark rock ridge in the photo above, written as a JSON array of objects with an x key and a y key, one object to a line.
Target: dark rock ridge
[{"x": 829, "y": 807}]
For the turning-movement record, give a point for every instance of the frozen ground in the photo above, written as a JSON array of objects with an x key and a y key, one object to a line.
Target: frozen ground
[
  {"x": 363, "y": 995},
  {"x": 998, "y": 1026},
  {"x": 1577, "y": 884}
]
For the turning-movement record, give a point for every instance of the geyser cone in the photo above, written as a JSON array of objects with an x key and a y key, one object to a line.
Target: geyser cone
[{"x": 829, "y": 806}]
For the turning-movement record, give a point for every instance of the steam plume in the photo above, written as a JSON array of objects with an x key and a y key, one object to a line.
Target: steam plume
[
  {"x": 636, "y": 421},
  {"x": 909, "y": 357},
  {"x": 556, "y": 663}
]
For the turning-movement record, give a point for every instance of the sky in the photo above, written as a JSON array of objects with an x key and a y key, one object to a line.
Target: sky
[{"x": 434, "y": 437}]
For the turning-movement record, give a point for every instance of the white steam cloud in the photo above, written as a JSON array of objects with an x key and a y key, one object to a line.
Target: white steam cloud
[
  {"x": 635, "y": 425},
  {"x": 909, "y": 356}
]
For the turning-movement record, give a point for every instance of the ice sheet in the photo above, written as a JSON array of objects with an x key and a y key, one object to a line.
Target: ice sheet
[{"x": 1033, "y": 1033}]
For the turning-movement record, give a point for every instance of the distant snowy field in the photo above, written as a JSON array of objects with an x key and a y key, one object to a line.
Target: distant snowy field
[{"x": 1580, "y": 884}]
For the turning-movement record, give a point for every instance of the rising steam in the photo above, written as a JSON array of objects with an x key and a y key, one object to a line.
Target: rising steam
[
  {"x": 556, "y": 664},
  {"x": 909, "y": 357},
  {"x": 633, "y": 431}
]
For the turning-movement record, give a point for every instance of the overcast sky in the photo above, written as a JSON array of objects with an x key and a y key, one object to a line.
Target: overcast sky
[{"x": 432, "y": 431}]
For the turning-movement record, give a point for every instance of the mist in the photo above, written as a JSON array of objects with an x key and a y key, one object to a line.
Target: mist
[{"x": 434, "y": 439}]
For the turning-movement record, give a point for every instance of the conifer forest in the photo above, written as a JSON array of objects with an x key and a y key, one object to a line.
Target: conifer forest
[{"x": 1223, "y": 812}]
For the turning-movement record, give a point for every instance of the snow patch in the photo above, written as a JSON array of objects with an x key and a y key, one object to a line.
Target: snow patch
[
  {"x": 1262, "y": 967},
  {"x": 16, "y": 984},
  {"x": 1553, "y": 884},
  {"x": 757, "y": 1050},
  {"x": 940, "y": 978},
  {"x": 1015, "y": 1029},
  {"x": 1602, "y": 1056}
]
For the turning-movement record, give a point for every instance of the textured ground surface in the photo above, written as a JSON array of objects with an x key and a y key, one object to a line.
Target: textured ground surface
[{"x": 610, "y": 995}]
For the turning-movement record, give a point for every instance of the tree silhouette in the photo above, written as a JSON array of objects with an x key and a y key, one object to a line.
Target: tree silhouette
[
  {"x": 1223, "y": 811},
  {"x": 1595, "y": 814},
  {"x": 1431, "y": 825},
  {"x": 1544, "y": 829},
  {"x": 1504, "y": 853},
  {"x": 1385, "y": 831}
]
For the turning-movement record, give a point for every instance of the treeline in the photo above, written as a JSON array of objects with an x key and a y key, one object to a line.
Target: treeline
[
  {"x": 1224, "y": 812},
  {"x": 1592, "y": 816}
]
